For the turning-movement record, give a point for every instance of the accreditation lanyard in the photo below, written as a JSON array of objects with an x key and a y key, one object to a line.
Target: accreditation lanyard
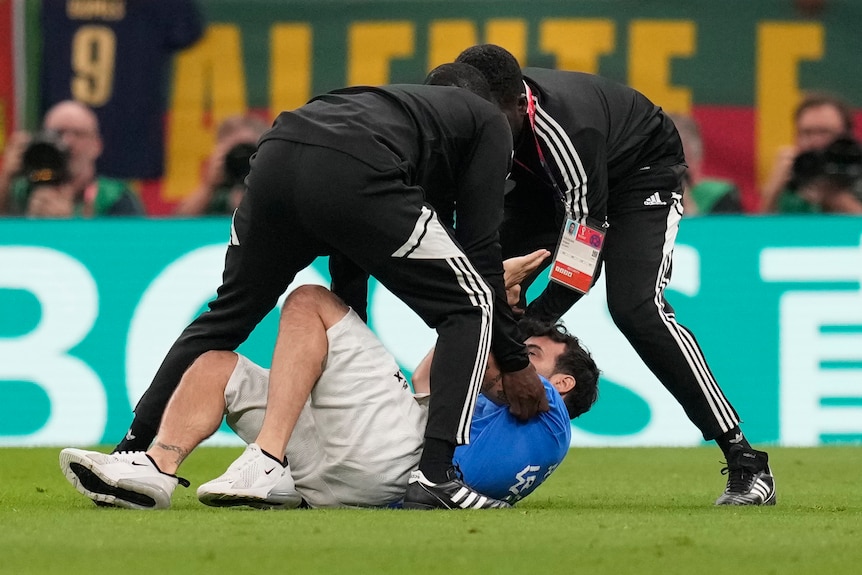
[
  {"x": 531, "y": 116},
  {"x": 578, "y": 251}
]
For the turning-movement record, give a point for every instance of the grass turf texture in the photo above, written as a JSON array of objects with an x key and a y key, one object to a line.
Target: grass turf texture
[{"x": 644, "y": 511}]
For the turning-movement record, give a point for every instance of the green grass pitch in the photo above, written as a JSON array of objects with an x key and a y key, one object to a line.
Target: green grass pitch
[{"x": 614, "y": 511}]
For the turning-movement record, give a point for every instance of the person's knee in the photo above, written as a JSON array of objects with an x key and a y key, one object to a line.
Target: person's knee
[
  {"x": 314, "y": 299},
  {"x": 308, "y": 296},
  {"x": 212, "y": 368},
  {"x": 629, "y": 315}
]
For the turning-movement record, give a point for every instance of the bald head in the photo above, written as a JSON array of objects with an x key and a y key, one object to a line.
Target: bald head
[
  {"x": 70, "y": 113},
  {"x": 78, "y": 126}
]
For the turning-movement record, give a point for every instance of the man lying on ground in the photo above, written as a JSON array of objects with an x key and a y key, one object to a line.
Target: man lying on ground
[{"x": 359, "y": 433}]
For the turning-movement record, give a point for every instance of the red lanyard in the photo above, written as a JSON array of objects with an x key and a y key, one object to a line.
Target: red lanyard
[{"x": 531, "y": 115}]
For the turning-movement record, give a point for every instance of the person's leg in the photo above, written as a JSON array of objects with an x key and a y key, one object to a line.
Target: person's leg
[
  {"x": 437, "y": 281},
  {"x": 268, "y": 246},
  {"x": 361, "y": 436},
  {"x": 440, "y": 284},
  {"x": 350, "y": 283},
  {"x": 638, "y": 255},
  {"x": 195, "y": 410},
  {"x": 298, "y": 360},
  {"x": 637, "y": 258},
  {"x": 381, "y": 223},
  {"x": 146, "y": 481},
  {"x": 369, "y": 427}
]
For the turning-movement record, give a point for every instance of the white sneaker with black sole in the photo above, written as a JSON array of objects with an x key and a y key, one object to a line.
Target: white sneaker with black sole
[
  {"x": 254, "y": 479},
  {"x": 127, "y": 479},
  {"x": 749, "y": 479}
]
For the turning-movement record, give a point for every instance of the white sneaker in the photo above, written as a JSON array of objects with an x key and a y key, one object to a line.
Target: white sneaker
[
  {"x": 127, "y": 479},
  {"x": 254, "y": 479}
]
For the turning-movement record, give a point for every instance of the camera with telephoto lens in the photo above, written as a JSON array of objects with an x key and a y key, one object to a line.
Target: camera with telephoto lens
[
  {"x": 840, "y": 163},
  {"x": 45, "y": 161},
  {"x": 236, "y": 166}
]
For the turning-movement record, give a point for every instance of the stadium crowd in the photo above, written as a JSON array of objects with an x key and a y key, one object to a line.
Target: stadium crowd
[{"x": 820, "y": 172}]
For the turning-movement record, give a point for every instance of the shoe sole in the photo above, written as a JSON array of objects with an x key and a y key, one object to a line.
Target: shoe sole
[
  {"x": 427, "y": 500},
  {"x": 425, "y": 507},
  {"x": 230, "y": 500},
  {"x": 104, "y": 491},
  {"x": 422, "y": 506},
  {"x": 768, "y": 501}
]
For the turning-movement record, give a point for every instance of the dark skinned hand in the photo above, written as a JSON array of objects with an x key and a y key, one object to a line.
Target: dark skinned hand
[{"x": 525, "y": 393}]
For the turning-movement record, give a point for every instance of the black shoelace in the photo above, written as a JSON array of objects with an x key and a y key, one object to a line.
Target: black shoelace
[{"x": 739, "y": 480}]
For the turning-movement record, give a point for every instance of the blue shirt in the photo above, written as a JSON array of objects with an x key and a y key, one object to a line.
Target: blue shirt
[{"x": 507, "y": 458}]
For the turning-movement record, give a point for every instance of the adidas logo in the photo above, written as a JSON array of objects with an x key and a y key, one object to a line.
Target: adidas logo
[
  {"x": 654, "y": 200},
  {"x": 468, "y": 499}
]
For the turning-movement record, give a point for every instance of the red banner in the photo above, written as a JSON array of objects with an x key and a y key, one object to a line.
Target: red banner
[{"x": 7, "y": 82}]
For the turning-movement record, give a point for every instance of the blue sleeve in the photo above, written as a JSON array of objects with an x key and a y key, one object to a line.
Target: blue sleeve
[{"x": 506, "y": 458}]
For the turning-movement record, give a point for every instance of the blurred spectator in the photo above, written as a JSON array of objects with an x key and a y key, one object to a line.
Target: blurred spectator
[
  {"x": 223, "y": 182},
  {"x": 115, "y": 56},
  {"x": 821, "y": 172},
  {"x": 53, "y": 173},
  {"x": 703, "y": 195}
]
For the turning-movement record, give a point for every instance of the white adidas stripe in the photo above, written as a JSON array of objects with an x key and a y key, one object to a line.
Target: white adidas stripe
[
  {"x": 481, "y": 296},
  {"x": 430, "y": 240},
  {"x": 718, "y": 404},
  {"x": 470, "y": 499},
  {"x": 460, "y": 494},
  {"x": 761, "y": 488},
  {"x": 567, "y": 160},
  {"x": 569, "y": 163},
  {"x": 697, "y": 363}
]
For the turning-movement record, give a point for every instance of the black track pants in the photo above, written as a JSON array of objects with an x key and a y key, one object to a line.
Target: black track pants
[
  {"x": 637, "y": 265},
  {"x": 306, "y": 201}
]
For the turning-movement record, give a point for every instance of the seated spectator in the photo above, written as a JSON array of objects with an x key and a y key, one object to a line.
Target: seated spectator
[
  {"x": 223, "y": 183},
  {"x": 703, "y": 195},
  {"x": 800, "y": 182},
  {"x": 52, "y": 174}
]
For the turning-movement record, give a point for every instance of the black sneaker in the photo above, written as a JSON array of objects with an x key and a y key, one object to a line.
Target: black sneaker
[
  {"x": 454, "y": 494},
  {"x": 749, "y": 479}
]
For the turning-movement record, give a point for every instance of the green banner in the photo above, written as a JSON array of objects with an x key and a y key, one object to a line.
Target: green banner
[
  {"x": 739, "y": 66},
  {"x": 90, "y": 308}
]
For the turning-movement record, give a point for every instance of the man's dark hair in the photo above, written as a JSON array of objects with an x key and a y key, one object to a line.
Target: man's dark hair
[
  {"x": 575, "y": 361},
  {"x": 817, "y": 99},
  {"x": 499, "y": 67},
  {"x": 461, "y": 76}
]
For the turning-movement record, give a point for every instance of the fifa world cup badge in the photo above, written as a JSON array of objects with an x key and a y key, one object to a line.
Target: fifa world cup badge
[{"x": 577, "y": 256}]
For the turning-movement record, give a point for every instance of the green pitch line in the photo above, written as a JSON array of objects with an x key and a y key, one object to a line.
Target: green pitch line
[{"x": 614, "y": 511}]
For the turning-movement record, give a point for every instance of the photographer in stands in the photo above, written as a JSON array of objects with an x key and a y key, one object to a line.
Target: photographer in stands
[
  {"x": 52, "y": 174},
  {"x": 823, "y": 171},
  {"x": 829, "y": 180},
  {"x": 223, "y": 182}
]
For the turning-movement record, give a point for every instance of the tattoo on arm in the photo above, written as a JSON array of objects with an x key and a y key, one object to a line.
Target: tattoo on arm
[
  {"x": 490, "y": 383},
  {"x": 492, "y": 388},
  {"x": 181, "y": 453}
]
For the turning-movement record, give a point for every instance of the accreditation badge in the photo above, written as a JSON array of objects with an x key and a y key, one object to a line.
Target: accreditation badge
[{"x": 577, "y": 256}]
